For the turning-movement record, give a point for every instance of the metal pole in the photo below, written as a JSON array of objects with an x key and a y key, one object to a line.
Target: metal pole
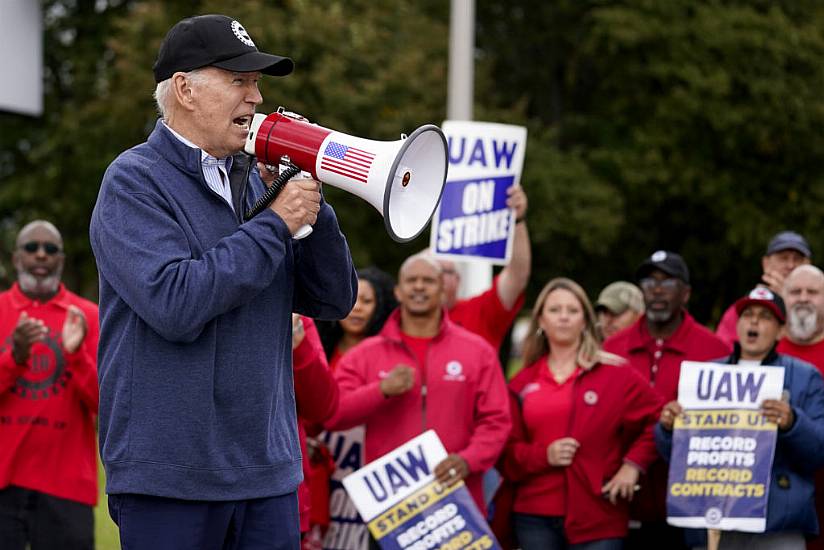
[{"x": 475, "y": 277}]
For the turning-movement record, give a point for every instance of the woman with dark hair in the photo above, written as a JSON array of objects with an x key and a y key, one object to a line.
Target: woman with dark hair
[
  {"x": 582, "y": 430},
  {"x": 376, "y": 300}
]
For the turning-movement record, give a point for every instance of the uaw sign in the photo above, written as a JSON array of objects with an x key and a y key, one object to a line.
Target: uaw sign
[
  {"x": 472, "y": 220},
  {"x": 722, "y": 447},
  {"x": 406, "y": 508}
]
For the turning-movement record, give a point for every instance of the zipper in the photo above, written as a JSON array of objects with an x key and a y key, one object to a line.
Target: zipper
[
  {"x": 424, "y": 391},
  {"x": 216, "y": 194},
  {"x": 423, "y": 370}
]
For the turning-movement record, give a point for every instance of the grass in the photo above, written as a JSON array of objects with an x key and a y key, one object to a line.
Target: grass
[{"x": 106, "y": 536}]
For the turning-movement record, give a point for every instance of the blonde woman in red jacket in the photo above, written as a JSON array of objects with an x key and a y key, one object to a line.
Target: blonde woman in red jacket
[{"x": 582, "y": 430}]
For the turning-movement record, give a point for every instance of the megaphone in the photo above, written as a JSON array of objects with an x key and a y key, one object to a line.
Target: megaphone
[{"x": 402, "y": 179}]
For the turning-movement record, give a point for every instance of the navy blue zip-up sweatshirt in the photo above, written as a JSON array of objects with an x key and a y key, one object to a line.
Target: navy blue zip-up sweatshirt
[{"x": 195, "y": 355}]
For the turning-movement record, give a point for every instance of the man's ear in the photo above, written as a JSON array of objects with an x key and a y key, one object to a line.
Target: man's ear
[
  {"x": 183, "y": 91},
  {"x": 687, "y": 292}
]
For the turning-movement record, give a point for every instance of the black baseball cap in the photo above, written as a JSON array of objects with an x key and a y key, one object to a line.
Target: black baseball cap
[
  {"x": 765, "y": 297},
  {"x": 788, "y": 240},
  {"x": 669, "y": 262},
  {"x": 216, "y": 41}
]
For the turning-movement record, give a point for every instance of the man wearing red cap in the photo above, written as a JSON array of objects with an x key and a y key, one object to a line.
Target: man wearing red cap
[
  {"x": 198, "y": 430},
  {"x": 800, "y": 419}
]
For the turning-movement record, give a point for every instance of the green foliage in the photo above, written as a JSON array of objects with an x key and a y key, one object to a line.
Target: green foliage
[
  {"x": 688, "y": 124},
  {"x": 703, "y": 116}
]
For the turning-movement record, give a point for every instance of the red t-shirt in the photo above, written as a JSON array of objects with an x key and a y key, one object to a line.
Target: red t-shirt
[
  {"x": 485, "y": 315},
  {"x": 47, "y": 407},
  {"x": 813, "y": 353},
  {"x": 418, "y": 347},
  {"x": 546, "y": 407}
]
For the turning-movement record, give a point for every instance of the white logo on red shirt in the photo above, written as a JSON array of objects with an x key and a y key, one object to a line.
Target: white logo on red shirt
[
  {"x": 590, "y": 397},
  {"x": 454, "y": 372}
]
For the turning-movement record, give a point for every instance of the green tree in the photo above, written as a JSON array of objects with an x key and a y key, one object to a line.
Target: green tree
[{"x": 703, "y": 116}]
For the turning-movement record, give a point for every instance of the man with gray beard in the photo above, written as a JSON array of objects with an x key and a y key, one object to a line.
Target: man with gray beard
[
  {"x": 48, "y": 401},
  {"x": 804, "y": 339},
  {"x": 804, "y": 294}
]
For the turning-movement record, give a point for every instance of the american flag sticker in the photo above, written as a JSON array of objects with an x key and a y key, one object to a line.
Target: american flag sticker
[{"x": 347, "y": 161}]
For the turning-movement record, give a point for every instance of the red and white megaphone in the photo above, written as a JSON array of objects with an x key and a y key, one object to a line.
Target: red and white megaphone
[{"x": 402, "y": 179}]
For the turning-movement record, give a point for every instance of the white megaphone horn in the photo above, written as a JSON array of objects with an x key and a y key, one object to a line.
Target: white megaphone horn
[{"x": 402, "y": 179}]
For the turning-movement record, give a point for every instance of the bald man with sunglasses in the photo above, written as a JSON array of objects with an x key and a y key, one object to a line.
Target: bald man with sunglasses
[{"x": 48, "y": 401}]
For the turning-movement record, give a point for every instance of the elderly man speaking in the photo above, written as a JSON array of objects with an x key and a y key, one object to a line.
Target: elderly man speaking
[{"x": 197, "y": 411}]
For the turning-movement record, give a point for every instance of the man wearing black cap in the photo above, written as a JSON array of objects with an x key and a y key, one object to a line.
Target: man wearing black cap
[
  {"x": 197, "y": 412},
  {"x": 785, "y": 251},
  {"x": 656, "y": 345},
  {"x": 800, "y": 419}
]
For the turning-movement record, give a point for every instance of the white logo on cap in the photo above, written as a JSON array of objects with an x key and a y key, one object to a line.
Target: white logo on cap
[
  {"x": 659, "y": 256},
  {"x": 241, "y": 34},
  {"x": 761, "y": 293}
]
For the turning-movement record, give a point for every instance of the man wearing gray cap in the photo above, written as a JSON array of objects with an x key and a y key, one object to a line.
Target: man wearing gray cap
[
  {"x": 785, "y": 251},
  {"x": 619, "y": 305},
  {"x": 198, "y": 433}
]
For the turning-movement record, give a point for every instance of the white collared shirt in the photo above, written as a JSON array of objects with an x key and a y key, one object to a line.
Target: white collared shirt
[{"x": 215, "y": 170}]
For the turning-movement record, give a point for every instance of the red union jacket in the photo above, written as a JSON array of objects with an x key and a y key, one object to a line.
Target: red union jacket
[
  {"x": 612, "y": 417},
  {"x": 316, "y": 398},
  {"x": 659, "y": 363},
  {"x": 48, "y": 406},
  {"x": 459, "y": 392}
]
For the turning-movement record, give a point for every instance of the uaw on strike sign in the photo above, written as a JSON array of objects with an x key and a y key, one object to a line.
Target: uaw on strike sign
[
  {"x": 472, "y": 220},
  {"x": 405, "y": 508},
  {"x": 722, "y": 447}
]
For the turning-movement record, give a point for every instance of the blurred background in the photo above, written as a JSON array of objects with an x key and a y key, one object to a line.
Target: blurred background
[{"x": 689, "y": 125}]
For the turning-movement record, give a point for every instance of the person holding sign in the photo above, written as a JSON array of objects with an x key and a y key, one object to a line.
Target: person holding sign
[
  {"x": 656, "y": 345},
  {"x": 491, "y": 313},
  {"x": 582, "y": 430},
  {"x": 799, "y": 448},
  {"x": 424, "y": 372}
]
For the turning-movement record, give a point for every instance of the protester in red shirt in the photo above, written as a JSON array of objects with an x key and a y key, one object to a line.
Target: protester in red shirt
[
  {"x": 48, "y": 401},
  {"x": 316, "y": 398},
  {"x": 656, "y": 345},
  {"x": 491, "y": 313},
  {"x": 582, "y": 430},
  {"x": 785, "y": 251},
  {"x": 804, "y": 339},
  {"x": 333, "y": 517},
  {"x": 424, "y": 372}
]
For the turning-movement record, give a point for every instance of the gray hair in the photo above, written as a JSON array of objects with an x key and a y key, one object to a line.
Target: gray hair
[
  {"x": 163, "y": 92},
  {"x": 39, "y": 223},
  {"x": 804, "y": 268}
]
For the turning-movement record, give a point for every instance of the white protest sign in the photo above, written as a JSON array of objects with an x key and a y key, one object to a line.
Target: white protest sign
[{"x": 472, "y": 220}]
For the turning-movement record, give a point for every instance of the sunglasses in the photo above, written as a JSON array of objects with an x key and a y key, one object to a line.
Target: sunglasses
[
  {"x": 49, "y": 248},
  {"x": 649, "y": 283}
]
